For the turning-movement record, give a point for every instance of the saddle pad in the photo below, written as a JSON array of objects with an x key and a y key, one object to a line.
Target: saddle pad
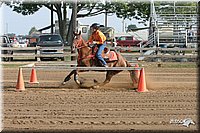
[{"x": 110, "y": 56}]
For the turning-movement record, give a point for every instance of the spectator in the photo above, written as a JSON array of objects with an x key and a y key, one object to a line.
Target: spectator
[{"x": 190, "y": 34}]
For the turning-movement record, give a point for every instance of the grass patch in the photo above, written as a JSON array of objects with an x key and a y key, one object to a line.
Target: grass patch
[
  {"x": 67, "y": 58},
  {"x": 169, "y": 64},
  {"x": 179, "y": 65},
  {"x": 12, "y": 65}
]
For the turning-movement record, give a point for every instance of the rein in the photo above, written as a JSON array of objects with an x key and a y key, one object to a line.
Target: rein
[
  {"x": 79, "y": 42},
  {"x": 79, "y": 47}
]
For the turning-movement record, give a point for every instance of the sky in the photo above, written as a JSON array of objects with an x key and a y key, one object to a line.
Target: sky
[
  {"x": 19, "y": 24},
  {"x": 1, "y": 99},
  {"x": 1, "y": 22}
]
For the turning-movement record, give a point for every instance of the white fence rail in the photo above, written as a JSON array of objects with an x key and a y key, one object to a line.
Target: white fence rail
[{"x": 132, "y": 52}]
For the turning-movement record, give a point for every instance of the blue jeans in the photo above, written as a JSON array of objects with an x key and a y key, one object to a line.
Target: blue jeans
[{"x": 99, "y": 52}]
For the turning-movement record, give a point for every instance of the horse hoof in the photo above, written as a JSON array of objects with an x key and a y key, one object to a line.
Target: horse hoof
[
  {"x": 95, "y": 87},
  {"x": 63, "y": 83},
  {"x": 82, "y": 82},
  {"x": 95, "y": 81}
]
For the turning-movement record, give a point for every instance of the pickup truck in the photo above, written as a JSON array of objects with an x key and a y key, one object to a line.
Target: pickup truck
[
  {"x": 5, "y": 42},
  {"x": 128, "y": 41}
]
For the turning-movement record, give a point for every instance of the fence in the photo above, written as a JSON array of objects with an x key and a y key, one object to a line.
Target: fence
[{"x": 133, "y": 52}]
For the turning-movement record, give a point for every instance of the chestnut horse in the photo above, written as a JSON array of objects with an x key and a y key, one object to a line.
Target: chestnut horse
[{"x": 86, "y": 58}]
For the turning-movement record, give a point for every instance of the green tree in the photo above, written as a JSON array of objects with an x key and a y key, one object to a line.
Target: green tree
[
  {"x": 131, "y": 27},
  {"x": 129, "y": 9},
  {"x": 87, "y": 8},
  {"x": 33, "y": 29}
]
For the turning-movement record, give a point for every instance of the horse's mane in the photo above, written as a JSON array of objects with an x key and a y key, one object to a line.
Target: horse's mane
[
  {"x": 83, "y": 50},
  {"x": 80, "y": 37},
  {"x": 84, "y": 42}
]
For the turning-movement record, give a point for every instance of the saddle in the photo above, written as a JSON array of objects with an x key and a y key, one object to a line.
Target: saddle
[{"x": 107, "y": 54}]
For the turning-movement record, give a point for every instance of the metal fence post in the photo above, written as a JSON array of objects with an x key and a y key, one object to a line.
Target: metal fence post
[
  {"x": 38, "y": 53},
  {"x": 186, "y": 40}
]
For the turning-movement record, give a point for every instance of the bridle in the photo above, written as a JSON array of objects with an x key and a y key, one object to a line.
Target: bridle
[{"x": 79, "y": 42}]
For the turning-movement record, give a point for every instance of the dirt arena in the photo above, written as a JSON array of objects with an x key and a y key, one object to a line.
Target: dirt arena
[{"x": 172, "y": 97}]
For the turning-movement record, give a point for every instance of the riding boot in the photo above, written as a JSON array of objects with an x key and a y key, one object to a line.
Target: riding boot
[
  {"x": 93, "y": 48},
  {"x": 101, "y": 63}
]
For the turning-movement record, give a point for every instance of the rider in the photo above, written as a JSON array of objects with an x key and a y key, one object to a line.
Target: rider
[{"x": 98, "y": 38}]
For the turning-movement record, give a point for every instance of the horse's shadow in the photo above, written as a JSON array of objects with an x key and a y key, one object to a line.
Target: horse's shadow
[{"x": 84, "y": 85}]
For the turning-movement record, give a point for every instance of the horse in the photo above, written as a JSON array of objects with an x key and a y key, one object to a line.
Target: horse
[{"x": 86, "y": 58}]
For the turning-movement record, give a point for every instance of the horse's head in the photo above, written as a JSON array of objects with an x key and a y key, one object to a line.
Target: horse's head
[{"x": 78, "y": 40}]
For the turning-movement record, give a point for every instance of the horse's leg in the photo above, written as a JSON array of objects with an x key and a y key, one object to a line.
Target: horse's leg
[
  {"x": 68, "y": 77},
  {"x": 76, "y": 78},
  {"x": 109, "y": 76},
  {"x": 133, "y": 76}
]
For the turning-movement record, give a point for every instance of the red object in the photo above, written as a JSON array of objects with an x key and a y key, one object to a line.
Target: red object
[
  {"x": 33, "y": 77},
  {"x": 20, "y": 81},
  {"x": 142, "y": 82},
  {"x": 111, "y": 55},
  {"x": 127, "y": 41}
]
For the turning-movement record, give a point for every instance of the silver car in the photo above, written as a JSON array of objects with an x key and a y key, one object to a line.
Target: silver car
[{"x": 52, "y": 46}]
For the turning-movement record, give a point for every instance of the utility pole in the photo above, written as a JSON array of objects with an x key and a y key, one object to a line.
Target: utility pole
[
  {"x": 51, "y": 18},
  {"x": 106, "y": 15},
  {"x": 123, "y": 25},
  {"x": 72, "y": 27},
  {"x": 64, "y": 21}
]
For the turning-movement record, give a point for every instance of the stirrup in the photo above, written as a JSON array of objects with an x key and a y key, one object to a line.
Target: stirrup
[{"x": 105, "y": 66}]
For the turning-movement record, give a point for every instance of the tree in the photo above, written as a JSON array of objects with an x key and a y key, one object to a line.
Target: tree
[
  {"x": 29, "y": 8},
  {"x": 131, "y": 27},
  {"x": 72, "y": 27},
  {"x": 139, "y": 10},
  {"x": 33, "y": 30},
  {"x": 125, "y": 10}
]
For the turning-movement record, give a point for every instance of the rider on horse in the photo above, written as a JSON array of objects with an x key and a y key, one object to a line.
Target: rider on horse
[{"x": 98, "y": 38}]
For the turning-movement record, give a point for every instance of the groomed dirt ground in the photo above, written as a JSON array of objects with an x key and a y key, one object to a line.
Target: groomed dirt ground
[{"x": 172, "y": 97}]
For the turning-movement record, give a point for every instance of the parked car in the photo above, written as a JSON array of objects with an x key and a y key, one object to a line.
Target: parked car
[
  {"x": 125, "y": 41},
  {"x": 18, "y": 43},
  {"x": 163, "y": 45},
  {"x": 51, "y": 44},
  {"x": 5, "y": 42}
]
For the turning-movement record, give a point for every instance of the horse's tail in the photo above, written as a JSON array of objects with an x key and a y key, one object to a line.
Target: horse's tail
[
  {"x": 121, "y": 60},
  {"x": 133, "y": 74},
  {"x": 125, "y": 63}
]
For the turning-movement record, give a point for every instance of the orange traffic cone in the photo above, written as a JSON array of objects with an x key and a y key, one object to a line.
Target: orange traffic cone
[
  {"x": 33, "y": 77},
  {"x": 142, "y": 82},
  {"x": 20, "y": 81},
  {"x": 137, "y": 72}
]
